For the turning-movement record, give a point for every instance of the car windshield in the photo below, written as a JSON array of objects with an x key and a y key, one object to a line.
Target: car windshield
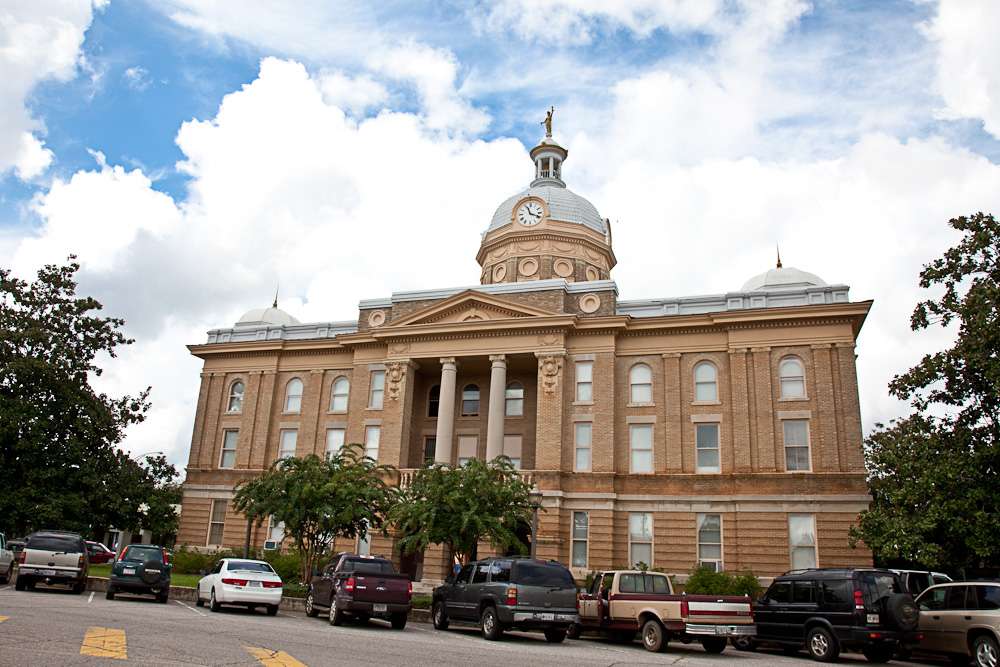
[
  {"x": 141, "y": 554},
  {"x": 370, "y": 566},
  {"x": 534, "y": 573},
  {"x": 248, "y": 566},
  {"x": 55, "y": 543}
]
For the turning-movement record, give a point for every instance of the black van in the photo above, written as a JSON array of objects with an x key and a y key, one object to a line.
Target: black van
[{"x": 828, "y": 610}]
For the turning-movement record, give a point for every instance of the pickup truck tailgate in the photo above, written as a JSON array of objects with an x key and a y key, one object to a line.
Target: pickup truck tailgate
[
  {"x": 382, "y": 588},
  {"x": 729, "y": 610}
]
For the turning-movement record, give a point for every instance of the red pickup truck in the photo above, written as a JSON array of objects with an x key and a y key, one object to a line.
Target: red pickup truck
[{"x": 360, "y": 587}]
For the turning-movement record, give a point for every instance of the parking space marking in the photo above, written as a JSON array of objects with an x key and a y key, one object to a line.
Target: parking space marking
[
  {"x": 104, "y": 643},
  {"x": 269, "y": 658},
  {"x": 3, "y": 618},
  {"x": 91, "y": 597},
  {"x": 190, "y": 608}
]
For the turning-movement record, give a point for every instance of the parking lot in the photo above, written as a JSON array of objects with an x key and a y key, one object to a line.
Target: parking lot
[{"x": 53, "y": 627}]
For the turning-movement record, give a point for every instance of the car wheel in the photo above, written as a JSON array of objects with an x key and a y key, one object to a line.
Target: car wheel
[
  {"x": 198, "y": 602},
  {"x": 439, "y": 616},
  {"x": 985, "y": 651},
  {"x": 272, "y": 610},
  {"x": 79, "y": 587},
  {"x": 10, "y": 572},
  {"x": 654, "y": 637},
  {"x": 163, "y": 597},
  {"x": 490, "y": 624},
  {"x": 555, "y": 635},
  {"x": 19, "y": 583},
  {"x": 574, "y": 631},
  {"x": 743, "y": 643},
  {"x": 821, "y": 645},
  {"x": 310, "y": 609},
  {"x": 109, "y": 594},
  {"x": 213, "y": 604},
  {"x": 714, "y": 645},
  {"x": 398, "y": 620},
  {"x": 336, "y": 616}
]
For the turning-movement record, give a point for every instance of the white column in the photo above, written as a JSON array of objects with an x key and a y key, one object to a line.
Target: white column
[
  {"x": 494, "y": 424},
  {"x": 446, "y": 411}
]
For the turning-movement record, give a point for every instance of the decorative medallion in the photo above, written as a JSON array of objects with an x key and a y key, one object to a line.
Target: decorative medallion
[
  {"x": 549, "y": 367},
  {"x": 563, "y": 268},
  {"x": 548, "y": 340},
  {"x": 528, "y": 266},
  {"x": 396, "y": 376},
  {"x": 399, "y": 348},
  {"x": 592, "y": 273},
  {"x": 589, "y": 303},
  {"x": 499, "y": 273},
  {"x": 376, "y": 318}
]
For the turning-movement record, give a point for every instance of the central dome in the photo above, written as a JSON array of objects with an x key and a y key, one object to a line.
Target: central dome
[{"x": 564, "y": 205}]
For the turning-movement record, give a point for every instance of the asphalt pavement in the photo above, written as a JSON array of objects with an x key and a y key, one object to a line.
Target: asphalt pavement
[{"x": 55, "y": 627}]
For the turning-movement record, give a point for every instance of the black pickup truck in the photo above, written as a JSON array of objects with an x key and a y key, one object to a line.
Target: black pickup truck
[{"x": 360, "y": 587}]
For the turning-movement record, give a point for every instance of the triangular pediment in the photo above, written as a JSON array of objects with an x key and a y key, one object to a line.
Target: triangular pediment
[{"x": 471, "y": 306}]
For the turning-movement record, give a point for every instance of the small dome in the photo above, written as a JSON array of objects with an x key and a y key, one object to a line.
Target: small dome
[
  {"x": 272, "y": 316},
  {"x": 782, "y": 278},
  {"x": 564, "y": 205}
]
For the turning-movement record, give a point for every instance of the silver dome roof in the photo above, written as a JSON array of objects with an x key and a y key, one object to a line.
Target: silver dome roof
[
  {"x": 564, "y": 205},
  {"x": 272, "y": 316},
  {"x": 782, "y": 277}
]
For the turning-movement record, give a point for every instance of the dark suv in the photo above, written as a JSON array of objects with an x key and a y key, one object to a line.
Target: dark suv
[
  {"x": 142, "y": 569},
  {"x": 828, "y": 610},
  {"x": 506, "y": 593}
]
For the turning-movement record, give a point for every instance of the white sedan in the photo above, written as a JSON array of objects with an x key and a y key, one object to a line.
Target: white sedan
[{"x": 238, "y": 581}]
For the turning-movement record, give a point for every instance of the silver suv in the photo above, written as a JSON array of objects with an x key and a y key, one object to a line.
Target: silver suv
[
  {"x": 53, "y": 557},
  {"x": 962, "y": 620},
  {"x": 6, "y": 560}
]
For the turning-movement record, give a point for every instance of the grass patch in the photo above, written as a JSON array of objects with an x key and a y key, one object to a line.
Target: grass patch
[
  {"x": 421, "y": 601},
  {"x": 188, "y": 580}
]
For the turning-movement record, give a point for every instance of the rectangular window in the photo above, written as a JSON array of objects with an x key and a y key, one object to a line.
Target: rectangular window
[
  {"x": 373, "y": 434},
  {"x": 641, "y": 447},
  {"x": 334, "y": 441},
  {"x": 581, "y": 525},
  {"x": 640, "y": 538},
  {"x": 365, "y": 543},
  {"x": 470, "y": 401},
  {"x": 512, "y": 449},
  {"x": 289, "y": 438},
  {"x": 468, "y": 446},
  {"x": 710, "y": 541},
  {"x": 706, "y": 438},
  {"x": 796, "y": 432},
  {"x": 217, "y": 522},
  {"x": 802, "y": 540},
  {"x": 275, "y": 531},
  {"x": 430, "y": 449},
  {"x": 229, "y": 439},
  {"x": 377, "y": 390},
  {"x": 583, "y": 435},
  {"x": 585, "y": 381}
]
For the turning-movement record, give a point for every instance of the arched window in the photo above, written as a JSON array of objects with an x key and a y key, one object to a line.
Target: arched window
[
  {"x": 434, "y": 401},
  {"x": 640, "y": 380},
  {"x": 514, "y": 400},
  {"x": 470, "y": 400},
  {"x": 235, "y": 397},
  {"x": 339, "y": 394},
  {"x": 793, "y": 378},
  {"x": 705, "y": 384},
  {"x": 293, "y": 395}
]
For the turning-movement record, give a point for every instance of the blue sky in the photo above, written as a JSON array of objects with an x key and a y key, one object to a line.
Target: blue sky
[{"x": 196, "y": 153}]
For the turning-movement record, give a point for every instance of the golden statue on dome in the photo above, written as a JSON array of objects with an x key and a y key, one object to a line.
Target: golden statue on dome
[{"x": 548, "y": 122}]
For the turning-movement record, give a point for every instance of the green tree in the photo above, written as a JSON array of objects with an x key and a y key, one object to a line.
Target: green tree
[
  {"x": 58, "y": 436},
  {"x": 320, "y": 499},
  {"x": 460, "y": 505},
  {"x": 163, "y": 493},
  {"x": 933, "y": 475}
]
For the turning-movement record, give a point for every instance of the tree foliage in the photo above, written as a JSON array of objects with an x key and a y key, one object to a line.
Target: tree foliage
[
  {"x": 460, "y": 505},
  {"x": 60, "y": 465},
  {"x": 320, "y": 499},
  {"x": 933, "y": 475}
]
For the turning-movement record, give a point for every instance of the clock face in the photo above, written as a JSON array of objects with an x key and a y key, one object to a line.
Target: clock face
[{"x": 530, "y": 213}]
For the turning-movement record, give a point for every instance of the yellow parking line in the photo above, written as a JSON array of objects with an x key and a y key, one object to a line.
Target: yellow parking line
[
  {"x": 269, "y": 658},
  {"x": 3, "y": 618},
  {"x": 104, "y": 643}
]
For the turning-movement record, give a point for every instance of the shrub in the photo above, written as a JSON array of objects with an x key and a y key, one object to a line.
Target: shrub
[
  {"x": 288, "y": 565},
  {"x": 706, "y": 581},
  {"x": 189, "y": 561}
]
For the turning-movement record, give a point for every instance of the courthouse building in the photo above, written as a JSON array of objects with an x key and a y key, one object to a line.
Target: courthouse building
[{"x": 721, "y": 429}]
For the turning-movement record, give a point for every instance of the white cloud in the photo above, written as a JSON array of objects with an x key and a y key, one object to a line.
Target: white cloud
[
  {"x": 352, "y": 94},
  {"x": 136, "y": 77},
  {"x": 38, "y": 40}
]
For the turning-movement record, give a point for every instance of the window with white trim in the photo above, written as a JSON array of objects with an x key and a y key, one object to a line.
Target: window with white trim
[
  {"x": 585, "y": 381},
  {"x": 583, "y": 433},
  {"x": 228, "y": 459},
  {"x": 339, "y": 394},
  {"x": 796, "y": 435},
  {"x": 640, "y": 538},
  {"x": 706, "y": 442},
  {"x": 640, "y": 441},
  {"x": 217, "y": 522},
  {"x": 286, "y": 446},
  {"x": 275, "y": 531},
  {"x": 640, "y": 381},
  {"x": 430, "y": 449},
  {"x": 706, "y": 386},
  {"x": 365, "y": 543},
  {"x": 235, "y": 397},
  {"x": 376, "y": 390},
  {"x": 581, "y": 528},
  {"x": 792, "y": 377},
  {"x": 334, "y": 441},
  {"x": 468, "y": 447},
  {"x": 512, "y": 449},
  {"x": 514, "y": 400},
  {"x": 373, "y": 435},
  {"x": 710, "y": 541},
  {"x": 293, "y": 395},
  {"x": 470, "y": 400},
  {"x": 802, "y": 540}
]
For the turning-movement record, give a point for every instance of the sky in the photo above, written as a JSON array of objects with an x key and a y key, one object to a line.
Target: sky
[{"x": 195, "y": 154}]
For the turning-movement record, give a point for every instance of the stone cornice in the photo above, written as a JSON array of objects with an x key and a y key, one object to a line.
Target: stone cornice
[{"x": 551, "y": 234}]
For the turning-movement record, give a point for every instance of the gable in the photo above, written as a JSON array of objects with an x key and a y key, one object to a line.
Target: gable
[{"x": 471, "y": 306}]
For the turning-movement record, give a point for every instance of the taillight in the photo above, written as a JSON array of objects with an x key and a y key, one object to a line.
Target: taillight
[
  {"x": 685, "y": 611},
  {"x": 859, "y": 599},
  {"x": 349, "y": 585},
  {"x": 409, "y": 589},
  {"x": 235, "y": 582},
  {"x": 20, "y": 558},
  {"x": 271, "y": 584},
  {"x": 511, "y": 600},
  {"x": 79, "y": 561},
  {"x": 166, "y": 557}
]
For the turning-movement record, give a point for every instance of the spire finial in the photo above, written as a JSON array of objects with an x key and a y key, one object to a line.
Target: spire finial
[
  {"x": 779, "y": 255},
  {"x": 275, "y": 304},
  {"x": 548, "y": 122}
]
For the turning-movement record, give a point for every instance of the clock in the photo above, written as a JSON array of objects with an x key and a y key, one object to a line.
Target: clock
[{"x": 529, "y": 213}]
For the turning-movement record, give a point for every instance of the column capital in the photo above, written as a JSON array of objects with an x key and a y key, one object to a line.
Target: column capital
[
  {"x": 738, "y": 350},
  {"x": 448, "y": 361},
  {"x": 671, "y": 355},
  {"x": 498, "y": 359},
  {"x": 316, "y": 371}
]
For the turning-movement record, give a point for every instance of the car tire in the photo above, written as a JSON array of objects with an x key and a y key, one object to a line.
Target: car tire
[
  {"x": 198, "y": 602},
  {"x": 272, "y": 610},
  {"x": 163, "y": 597},
  {"x": 574, "y": 631},
  {"x": 821, "y": 645},
  {"x": 336, "y": 615},
  {"x": 555, "y": 635},
  {"x": 902, "y": 613},
  {"x": 439, "y": 616},
  {"x": 743, "y": 643},
  {"x": 878, "y": 654},
  {"x": 489, "y": 622},
  {"x": 714, "y": 645},
  {"x": 20, "y": 583},
  {"x": 10, "y": 573},
  {"x": 79, "y": 587},
  {"x": 109, "y": 594},
  {"x": 985, "y": 652},
  {"x": 311, "y": 610},
  {"x": 213, "y": 604},
  {"x": 654, "y": 636},
  {"x": 398, "y": 621}
]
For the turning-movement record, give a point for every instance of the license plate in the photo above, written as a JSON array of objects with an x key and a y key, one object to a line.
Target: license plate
[
  {"x": 380, "y": 608},
  {"x": 254, "y": 584},
  {"x": 47, "y": 573},
  {"x": 725, "y": 630},
  {"x": 872, "y": 619},
  {"x": 128, "y": 570},
  {"x": 545, "y": 617}
]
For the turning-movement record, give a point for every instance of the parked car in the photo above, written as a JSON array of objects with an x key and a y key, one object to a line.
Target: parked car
[
  {"x": 141, "y": 569},
  {"x": 53, "y": 557},
  {"x": 962, "y": 620},
  {"x": 16, "y": 545},
  {"x": 6, "y": 561},
  {"x": 916, "y": 582},
  {"x": 505, "y": 593},
  {"x": 240, "y": 582},
  {"x": 98, "y": 553},
  {"x": 623, "y": 602},
  {"x": 360, "y": 587},
  {"x": 828, "y": 610}
]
